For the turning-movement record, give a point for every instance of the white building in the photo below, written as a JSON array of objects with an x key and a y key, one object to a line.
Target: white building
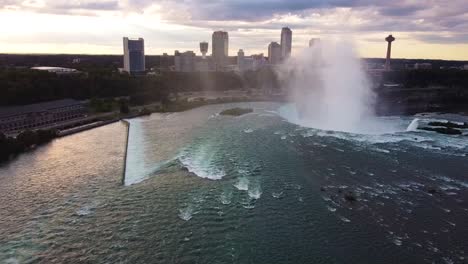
[
  {"x": 56, "y": 70},
  {"x": 184, "y": 62},
  {"x": 423, "y": 66},
  {"x": 286, "y": 42},
  {"x": 274, "y": 53},
  {"x": 220, "y": 49},
  {"x": 134, "y": 55},
  {"x": 240, "y": 56}
]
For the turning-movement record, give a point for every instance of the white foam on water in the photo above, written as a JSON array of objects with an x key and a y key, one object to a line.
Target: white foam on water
[
  {"x": 242, "y": 184},
  {"x": 413, "y": 126},
  {"x": 450, "y": 180},
  {"x": 201, "y": 161},
  {"x": 248, "y": 130},
  {"x": 381, "y": 150},
  {"x": 255, "y": 192},
  {"x": 277, "y": 195},
  {"x": 437, "y": 143},
  {"x": 186, "y": 213},
  {"x": 344, "y": 219},
  {"x": 397, "y": 242},
  {"x": 249, "y": 206}
]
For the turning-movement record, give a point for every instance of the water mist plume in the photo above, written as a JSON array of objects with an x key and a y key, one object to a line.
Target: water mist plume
[{"x": 329, "y": 90}]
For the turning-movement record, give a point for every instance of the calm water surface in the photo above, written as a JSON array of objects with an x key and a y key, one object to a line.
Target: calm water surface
[{"x": 204, "y": 188}]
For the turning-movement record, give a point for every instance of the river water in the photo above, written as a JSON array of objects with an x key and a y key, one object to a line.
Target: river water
[{"x": 205, "y": 188}]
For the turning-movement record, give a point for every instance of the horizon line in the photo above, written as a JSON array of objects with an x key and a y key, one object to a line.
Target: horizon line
[{"x": 113, "y": 54}]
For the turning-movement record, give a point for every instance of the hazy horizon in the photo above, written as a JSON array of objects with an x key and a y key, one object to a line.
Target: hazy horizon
[
  {"x": 198, "y": 54},
  {"x": 431, "y": 29}
]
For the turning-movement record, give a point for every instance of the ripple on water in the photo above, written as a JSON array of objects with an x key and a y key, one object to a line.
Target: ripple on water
[
  {"x": 226, "y": 197},
  {"x": 277, "y": 195},
  {"x": 344, "y": 219}
]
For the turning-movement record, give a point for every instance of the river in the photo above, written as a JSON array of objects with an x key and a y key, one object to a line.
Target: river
[{"x": 205, "y": 188}]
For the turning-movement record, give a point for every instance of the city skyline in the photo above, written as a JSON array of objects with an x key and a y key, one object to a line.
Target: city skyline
[{"x": 427, "y": 29}]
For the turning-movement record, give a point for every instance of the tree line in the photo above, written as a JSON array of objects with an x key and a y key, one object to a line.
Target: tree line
[
  {"x": 424, "y": 78},
  {"x": 25, "y": 86}
]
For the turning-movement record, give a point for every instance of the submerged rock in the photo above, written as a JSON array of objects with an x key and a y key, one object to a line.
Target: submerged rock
[
  {"x": 432, "y": 190},
  {"x": 444, "y": 130},
  {"x": 236, "y": 111},
  {"x": 350, "y": 197},
  {"x": 448, "y": 124}
]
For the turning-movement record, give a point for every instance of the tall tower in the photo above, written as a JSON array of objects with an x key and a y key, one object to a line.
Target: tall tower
[
  {"x": 134, "y": 55},
  {"x": 220, "y": 48},
  {"x": 274, "y": 53},
  {"x": 389, "y": 39},
  {"x": 286, "y": 41},
  {"x": 203, "y": 48}
]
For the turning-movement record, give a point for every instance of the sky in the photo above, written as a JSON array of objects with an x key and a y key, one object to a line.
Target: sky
[{"x": 427, "y": 29}]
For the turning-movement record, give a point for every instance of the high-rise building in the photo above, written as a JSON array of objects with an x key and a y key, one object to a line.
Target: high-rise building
[
  {"x": 134, "y": 55},
  {"x": 184, "y": 62},
  {"x": 314, "y": 41},
  {"x": 286, "y": 42},
  {"x": 220, "y": 48},
  {"x": 274, "y": 53},
  {"x": 240, "y": 57},
  {"x": 240, "y": 60},
  {"x": 203, "y": 48}
]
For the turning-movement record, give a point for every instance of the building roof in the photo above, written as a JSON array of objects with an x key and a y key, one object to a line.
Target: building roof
[
  {"x": 55, "y": 69},
  {"x": 35, "y": 108}
]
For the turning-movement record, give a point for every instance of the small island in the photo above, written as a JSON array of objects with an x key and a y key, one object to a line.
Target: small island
[{"x": 236, "y": 111}]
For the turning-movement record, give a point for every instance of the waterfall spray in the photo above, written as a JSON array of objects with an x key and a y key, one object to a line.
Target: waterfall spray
[{"x": 329, "y": 89}]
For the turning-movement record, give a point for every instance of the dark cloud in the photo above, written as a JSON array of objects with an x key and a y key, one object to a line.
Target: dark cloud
[
  {"x": 402, "y": 10},
  {"x": 248, "y": 10}
]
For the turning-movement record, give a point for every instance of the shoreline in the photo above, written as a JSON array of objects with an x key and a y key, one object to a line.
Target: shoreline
[
  {"x": 174, "y": 107},
  {"x": 181, "y": 106}
]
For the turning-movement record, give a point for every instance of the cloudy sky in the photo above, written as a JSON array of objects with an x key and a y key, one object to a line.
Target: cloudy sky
[{"x": 423, "y": 28}]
